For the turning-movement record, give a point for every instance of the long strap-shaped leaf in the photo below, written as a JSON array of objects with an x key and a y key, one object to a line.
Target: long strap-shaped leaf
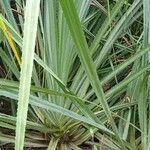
[
  {"x": 10, "y": 41},
  {"x": 30, "y": 29},
  {"x": 84, "y": 54}
]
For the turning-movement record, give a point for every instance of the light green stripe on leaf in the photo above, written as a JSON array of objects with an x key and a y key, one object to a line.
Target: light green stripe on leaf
[{"x": 30, "y": 29}]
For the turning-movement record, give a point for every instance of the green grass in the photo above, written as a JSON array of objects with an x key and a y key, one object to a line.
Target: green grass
[{"x": 84, "y": 75}]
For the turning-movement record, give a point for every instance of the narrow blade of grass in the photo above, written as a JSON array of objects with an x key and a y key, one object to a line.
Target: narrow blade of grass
[{"x": 30, "y": 28}]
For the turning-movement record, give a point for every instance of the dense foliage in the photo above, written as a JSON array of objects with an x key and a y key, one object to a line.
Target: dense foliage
[{"x": 74, "y": 74}]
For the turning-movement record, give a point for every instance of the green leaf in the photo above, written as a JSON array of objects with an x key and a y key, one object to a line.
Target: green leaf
[
  {"x": 84, "y": 54},
  {"x": 31, "y": 20}
]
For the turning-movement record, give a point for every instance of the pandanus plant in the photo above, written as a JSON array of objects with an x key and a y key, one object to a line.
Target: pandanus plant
[{"x": 79, "y": 72}]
